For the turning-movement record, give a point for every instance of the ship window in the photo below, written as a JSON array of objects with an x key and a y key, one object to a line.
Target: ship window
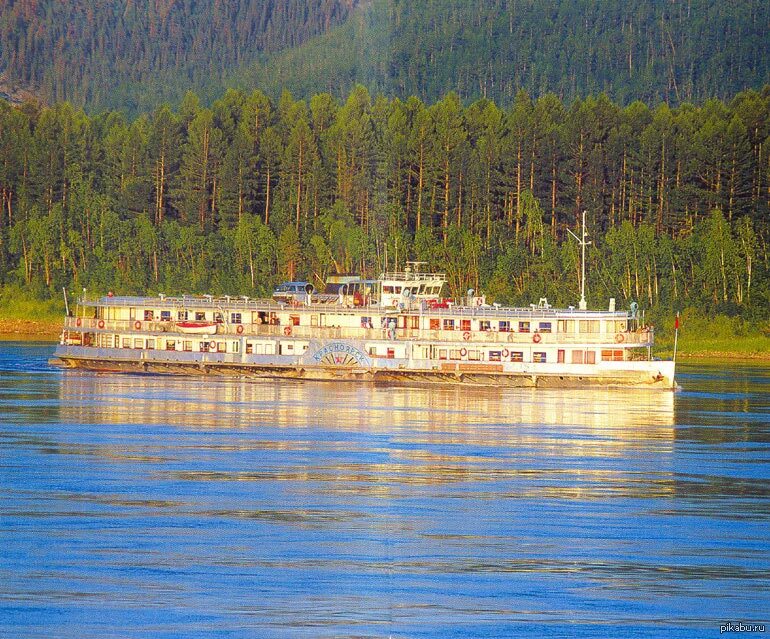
[
  {"x": 148, "y": 316},
  {"x": 590, "y": 357},
  {"x": 294, "y": 319},
  {"x": 218, "y": 317},
  {"x": 170, "y": 345},
  {"x": 249, "y": 348},
  {"x": 435, "y": 323},
  {"x": 494, "y": 356},
  {"x": 454, "y": 354},
  {"x": 117, "y": 341},
  {"x": 221, "y": 347},
  {"x": 612, "y": 356},
  {"x": 465, "y": 325},
  {"x": 484, "y": 325},
  {"x": 391, "y": 353},
  {"x": 449, "y": 325},
  {"x": 397, "y": 290},
  {"x": 545, "y": 327},
  {"x": 181, "y": 316},
  {"x": 108, "y": 341},
  {"x": 560, "y": 356},
  {"x": 589, "y": 326},
  {"x": 236, "y": 347},
  {"x": 235, "y": 318},
  {"x": 187, "y": 345},
  {"x": 126, "y": 342},
  {"x": 442, "y": 353},
  {"x": 387, "y": 289},
  {"x": 517, "y": 356},
  {"x": 620, "y": 326},
  {"x": 204, "y": 347},
  {"x": 150, "y": 344},
  {"x": 577, "y": 357},
  {"x": 165, "y": 316},
  {"x": 538, "y": 358},
  {"x": 474, "y": 355},
  {"x": 366, "y": 322},
  {"x": 200, "y": 316},
  {"x": 523, "y": 327},
  {"x": 566, "y": 326},
  {"x": 373, "y": 351},
  {"x": 505, "y": 326},
  {"x": 138, "y": 342}
]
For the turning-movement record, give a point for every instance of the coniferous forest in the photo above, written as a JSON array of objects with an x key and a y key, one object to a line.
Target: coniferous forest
[
  {"x": 233, "y": 198},
  {"x": 133, "y": 55}
]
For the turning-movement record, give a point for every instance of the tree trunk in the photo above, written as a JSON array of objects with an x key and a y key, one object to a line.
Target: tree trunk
[
  {"x": 419, "y": 189},
  {"x": 267, "y": 196},
  {"x": 299, "y": 185}
]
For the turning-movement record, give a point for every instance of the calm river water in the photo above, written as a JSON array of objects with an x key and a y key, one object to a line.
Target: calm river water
[{"x": 169, "y": 507}]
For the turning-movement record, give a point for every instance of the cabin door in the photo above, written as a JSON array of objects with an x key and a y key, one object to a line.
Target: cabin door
[{"x": 322, "y": 319}]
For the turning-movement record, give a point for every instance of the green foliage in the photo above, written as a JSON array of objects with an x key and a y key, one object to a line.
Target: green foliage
[
  {"x": 21, "y": 303},
  {"x": 136, "y": 56},
  {"x": 234, "y": 198}
]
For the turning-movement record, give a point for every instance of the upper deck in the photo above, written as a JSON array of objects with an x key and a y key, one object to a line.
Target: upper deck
[{"x": 229, "y": 304}]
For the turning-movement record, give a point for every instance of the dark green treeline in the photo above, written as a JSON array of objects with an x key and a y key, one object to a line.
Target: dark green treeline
[{"x": 234, "y": 198}]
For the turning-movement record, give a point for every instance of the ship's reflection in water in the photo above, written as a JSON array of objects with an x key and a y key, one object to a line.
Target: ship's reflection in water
[{"x": 148, "y": 506}]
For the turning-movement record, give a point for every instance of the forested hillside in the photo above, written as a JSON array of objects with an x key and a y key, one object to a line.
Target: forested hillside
[
  {"x": 111, "y": 52},
  {"x": 234, "y": 198},
  {"x": 133, "y": 55}
]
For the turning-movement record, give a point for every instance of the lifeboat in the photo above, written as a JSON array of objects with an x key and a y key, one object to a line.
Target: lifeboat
[{"x": 197, "y": 328}]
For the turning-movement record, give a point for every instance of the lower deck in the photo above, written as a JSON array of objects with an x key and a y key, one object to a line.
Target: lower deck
[{"x": 382, "y": 360}]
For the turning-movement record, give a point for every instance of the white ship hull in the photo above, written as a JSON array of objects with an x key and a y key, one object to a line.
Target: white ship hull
[{"x": 340, "y": 360}]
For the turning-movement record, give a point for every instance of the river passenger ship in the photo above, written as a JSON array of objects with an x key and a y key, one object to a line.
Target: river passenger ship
[{"x": 397, "y": 328}]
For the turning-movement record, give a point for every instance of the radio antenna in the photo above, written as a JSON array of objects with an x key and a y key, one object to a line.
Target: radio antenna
[{"x": 582, "y": 242}]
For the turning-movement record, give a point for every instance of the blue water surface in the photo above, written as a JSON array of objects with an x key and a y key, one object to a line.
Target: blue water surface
[{"x": 141, "y": 506}]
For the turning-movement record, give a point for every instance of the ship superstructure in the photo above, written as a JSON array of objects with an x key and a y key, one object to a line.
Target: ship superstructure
[{"x": 397, "y": 328}]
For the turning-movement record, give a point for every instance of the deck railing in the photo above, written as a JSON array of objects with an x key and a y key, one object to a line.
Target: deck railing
[
  {"x": 635, "y": 338},
  {"x": 329, "y": 304}
]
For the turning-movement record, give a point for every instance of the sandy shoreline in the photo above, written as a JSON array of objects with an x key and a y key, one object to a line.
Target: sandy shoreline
[{"x": 30, "y": 330}]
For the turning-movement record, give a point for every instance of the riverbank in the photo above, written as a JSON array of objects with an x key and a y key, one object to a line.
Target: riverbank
[{"x": 44, "y": 330}]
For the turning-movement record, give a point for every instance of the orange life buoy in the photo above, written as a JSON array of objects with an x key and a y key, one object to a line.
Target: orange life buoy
[
  {"x": 137, "y": 325},
  {"x": 463, "y": 352},
  {"x": 287, "y": 330},
  {"x": 505, "y": 352},
  {"x": 213, "y": 344},
  {"x": 466, "y": 335},
  {"x": 536, "y": 338},
  {"x": 619, "y": 338},
  {"x": 101, "y": 323},
  {"x": 239, "y": 330},
  {"x": 78, "y": 322}
]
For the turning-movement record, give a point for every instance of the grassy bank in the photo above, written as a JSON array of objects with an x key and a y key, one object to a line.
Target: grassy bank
[
  {"x": 716, "y": 337},
  {"x": 24, "y": 316}
]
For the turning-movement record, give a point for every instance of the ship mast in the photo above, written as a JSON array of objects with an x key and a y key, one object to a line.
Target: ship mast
[{"x": 583, "y": 244}]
